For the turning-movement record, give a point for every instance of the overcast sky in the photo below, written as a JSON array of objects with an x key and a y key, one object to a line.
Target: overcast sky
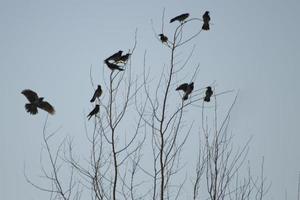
[{"x": 49, "y": 46}]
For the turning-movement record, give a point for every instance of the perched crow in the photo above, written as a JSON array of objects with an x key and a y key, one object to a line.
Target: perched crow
[
  {"x": 206, "y": 19},
  {"x": 93, "y": 112},
  {"x": 187, "y": 88},
  {"x": 113, "y": 66},
  {"x": 97, "y": 93},
  {"x": 208, "y": 94},
  {"x": 124, "y": 58},
  {"x": 36, "y": 102},
  {"x": 163, "y": 38},
  {"x": 180, "y": 18},
  {"x": 115, "y": 57}
]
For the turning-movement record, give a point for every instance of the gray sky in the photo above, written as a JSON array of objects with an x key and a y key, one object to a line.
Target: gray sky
[{"x": 49, "y": 46}]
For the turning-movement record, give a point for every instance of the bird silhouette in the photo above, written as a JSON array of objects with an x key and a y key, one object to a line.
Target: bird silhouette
[
  {"x": 163, "y": 38},
  {"x": 187, "y": 88},
  {"x": 36, "y": 102},
  {"x": 115, "y": 57},
  {"x": 208, "y": 94},
  {"x": 180, "y": 18},
  {"x": 113, "y": 66},
  {"x": 93, "y": 112},
  {"x": 206, "y": 19},
  {"x": 97, "y": 93}
]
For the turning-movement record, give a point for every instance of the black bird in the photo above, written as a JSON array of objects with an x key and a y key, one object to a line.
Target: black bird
[
  {"x": 208, "y": 94},
  {"x": 187, "y": 88},
  {"x": 206, "y": 19},
  {"x": 113, "y": 66},
  {"x": 93, "y": 112},
  {"x": 115, "y": 57},
  {"x": 180, "y": 18},
  {"x": 97, "y": 93},
  {"x": 163, "y": 38},
  {"x": 36, "y": 102},
  {"x": 124, "y": 58}
]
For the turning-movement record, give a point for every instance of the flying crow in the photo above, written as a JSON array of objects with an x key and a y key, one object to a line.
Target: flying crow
[{"x": 36, "y": 102}]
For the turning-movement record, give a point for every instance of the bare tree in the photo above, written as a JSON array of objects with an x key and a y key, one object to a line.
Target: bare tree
[
  {"x": 61, "y": 186},
  {"x": 116, "y": 167},
  {"x": 219, "y": 162}
]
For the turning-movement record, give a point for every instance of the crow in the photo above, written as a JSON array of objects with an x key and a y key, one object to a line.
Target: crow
[
  {"x": 208, "y": 94},
  {"x": 163, "y": 38},
  {"x": 206, "y": 19},
  {"x": 113, "y": 66},
  {"x": 187, "y": 88},
  {"x": 97, "y": 93},
  {"x": 36, "y": 102},
  {"x": 180, "y": 18},
  {"x": 93, "y": 112}
]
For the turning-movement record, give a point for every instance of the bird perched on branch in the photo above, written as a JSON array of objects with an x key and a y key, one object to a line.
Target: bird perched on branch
[
  {"x": 36, "y": 102},
  {"x": 187, "y": 88},
  {"x": 93, "y": 112},
  {"x": 97, "y": 93},
  {"x": 208, "y": 94},
  {"x": 206, "y": 19},
  {"x": 180, "y": 18},
  {"x": 163, "y": 38},
  {"x": 115, "y": 57},
  {"x": 113, "y": 66}
]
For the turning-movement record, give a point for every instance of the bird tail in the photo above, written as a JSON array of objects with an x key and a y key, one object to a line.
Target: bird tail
[
  {"x": 89, "y": 116},
  {"x": 172, "y": 20},
  {"x": 205, "y": 26},
  {"x": 93, "y": 99},
  {"x": 32, "y": 109},
  {"x": 207, "y": 99},
  {"x": 120, "y": 69}
]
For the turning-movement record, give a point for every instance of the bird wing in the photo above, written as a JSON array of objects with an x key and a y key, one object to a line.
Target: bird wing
[
  {"x": 209, "y": 93},
  {"x": 113, "y": 66},
  {"x": 30, "y": 95},
  {"x": 182, "y": 86},
  {"x": 125, "y": 57},
  {"x": 97, "y": 94},
  {"x": 115, "y": 56},
  {"x": 174, "y": 19},
  {"x": 31, "y": 108},
  {"x": 189, "y": 89},
  {"x": 180, "y": 17},
  {"x": 47, "y": 107},
  {"x": 94, "y": 97}
]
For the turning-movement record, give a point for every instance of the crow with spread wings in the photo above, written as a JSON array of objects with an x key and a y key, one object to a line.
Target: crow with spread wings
[{"x": 36, "y": 102}]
